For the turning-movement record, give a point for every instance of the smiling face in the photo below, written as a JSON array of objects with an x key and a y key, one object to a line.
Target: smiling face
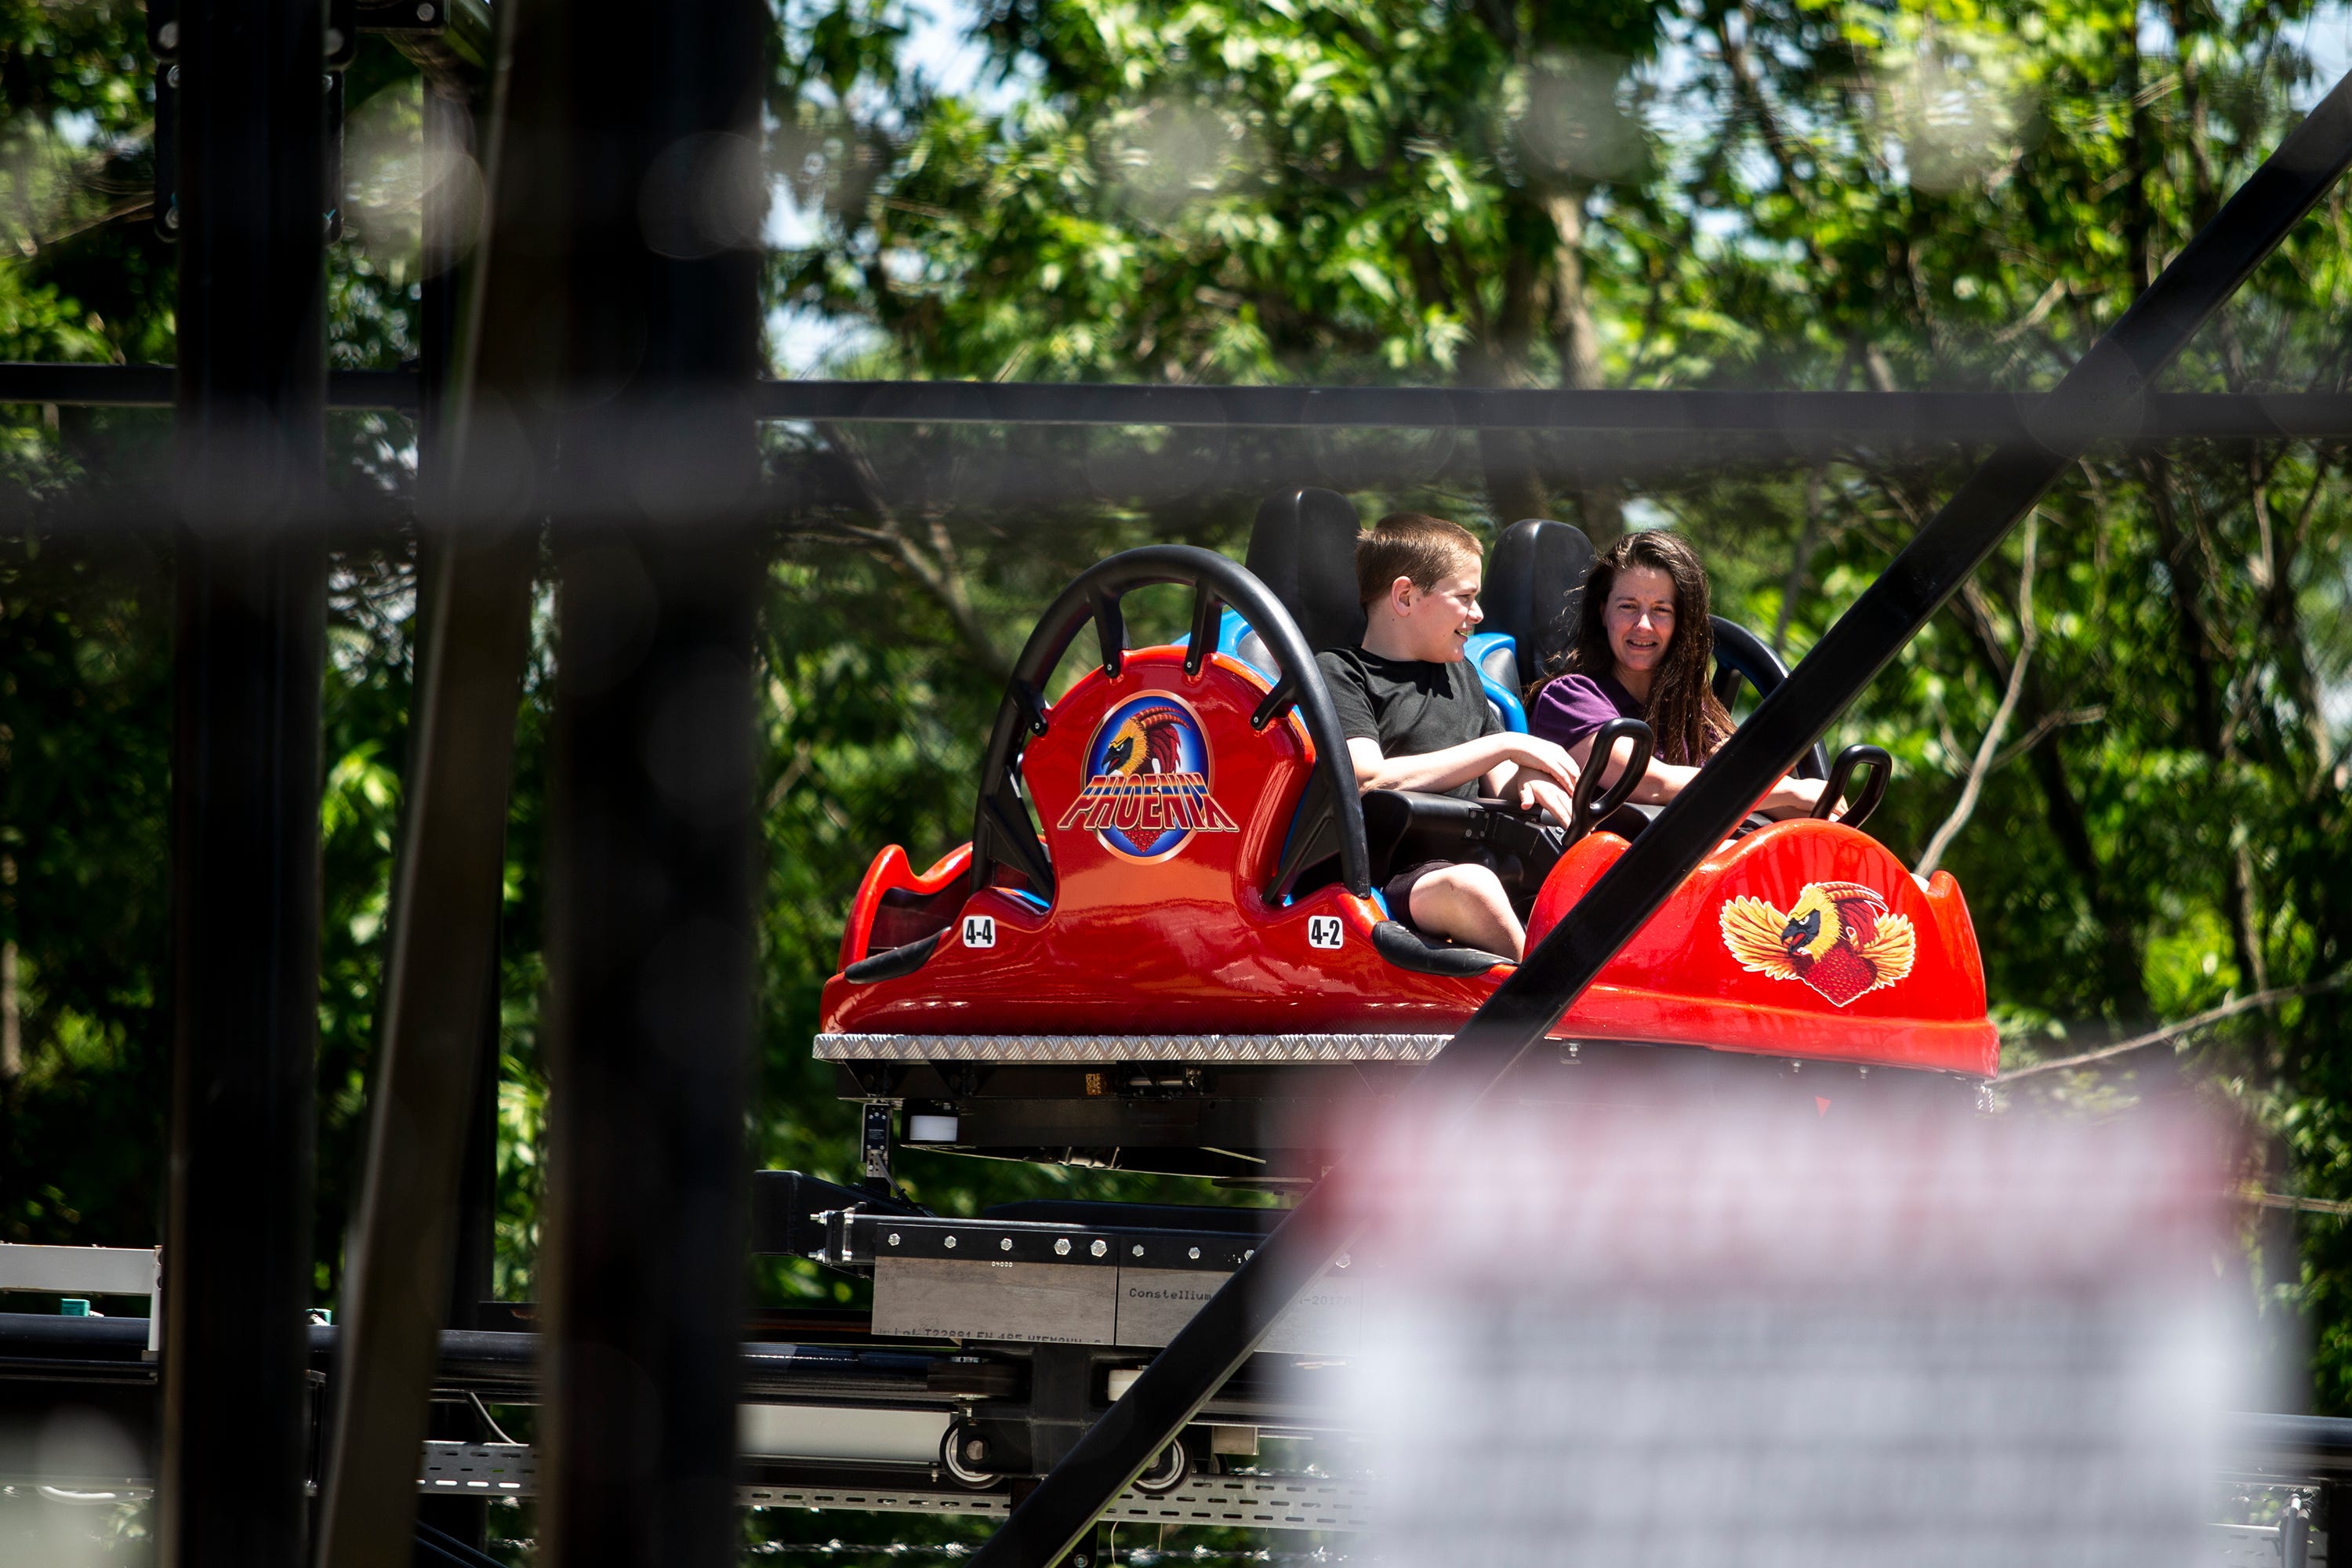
[
  {"x": 1434, "y": 623},
  {"x": 1640, "y": 617}
]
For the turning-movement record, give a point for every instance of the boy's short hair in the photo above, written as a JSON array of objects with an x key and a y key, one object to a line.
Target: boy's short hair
[{"x": 1413, "y": 545}]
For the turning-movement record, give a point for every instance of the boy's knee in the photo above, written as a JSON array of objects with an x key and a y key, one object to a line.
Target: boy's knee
[
  {"x": 1475, "y": 883},
  {"x": 1466, "y": 903}
]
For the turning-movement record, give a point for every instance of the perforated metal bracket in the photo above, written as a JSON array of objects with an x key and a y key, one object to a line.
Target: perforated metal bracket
[
  {"x": 1243, "y": 1502},
  {"x": 855, "y": 1238}
]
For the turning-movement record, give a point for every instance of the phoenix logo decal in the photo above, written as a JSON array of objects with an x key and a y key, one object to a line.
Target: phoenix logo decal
[
  {"x": 1837, "y": 938},
  {"x": 1148, "y": 780}
]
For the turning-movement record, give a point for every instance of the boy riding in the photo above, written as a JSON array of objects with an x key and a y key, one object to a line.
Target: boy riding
[{"x": 1416, "y": 719}]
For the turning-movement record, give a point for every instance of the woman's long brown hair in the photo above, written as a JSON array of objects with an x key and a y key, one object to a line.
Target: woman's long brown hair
[{"x": 1682, "y": 712}]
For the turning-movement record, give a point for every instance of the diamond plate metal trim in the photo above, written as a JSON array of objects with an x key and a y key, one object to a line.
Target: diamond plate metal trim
[{"x": 1096, "y": 1050}]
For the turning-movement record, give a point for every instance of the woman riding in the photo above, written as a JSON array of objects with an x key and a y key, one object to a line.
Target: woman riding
[{"x": 1644, "y": 649}]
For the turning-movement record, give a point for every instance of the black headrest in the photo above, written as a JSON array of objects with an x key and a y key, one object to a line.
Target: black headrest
[
  {"x": 1303, "y": 546},
  {"x": 1535, "y": 588}
]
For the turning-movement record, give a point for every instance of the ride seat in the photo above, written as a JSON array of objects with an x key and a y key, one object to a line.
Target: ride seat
[
  {"x": 1303, "y": 547},
  {"x": 1535, "y": 590}
]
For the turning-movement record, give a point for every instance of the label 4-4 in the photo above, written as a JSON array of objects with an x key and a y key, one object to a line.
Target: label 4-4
[{"x": 980, "y": 931}]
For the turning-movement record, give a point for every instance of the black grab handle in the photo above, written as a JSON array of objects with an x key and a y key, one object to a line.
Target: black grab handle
[
  {"x": 1873, "y": 789},
  {"x": 1588, "y": 809},
  {"x": 1329, "y": 817}
]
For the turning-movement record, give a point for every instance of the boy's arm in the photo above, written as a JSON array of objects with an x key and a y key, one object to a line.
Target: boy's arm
[
  {"x": 1531, "y": 787},
  {"x": 1484, "y": 758}
]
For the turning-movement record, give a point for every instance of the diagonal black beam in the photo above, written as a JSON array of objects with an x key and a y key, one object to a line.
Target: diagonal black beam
[
  {"x": 476, "y": 574},
  {"x": 2103, "y": 392},
  {"x": 440, "y": 979},
  {"x": 475, "y": 568}
]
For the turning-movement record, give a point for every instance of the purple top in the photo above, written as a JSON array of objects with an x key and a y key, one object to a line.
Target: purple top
[{"x": 1574, "y": 707}]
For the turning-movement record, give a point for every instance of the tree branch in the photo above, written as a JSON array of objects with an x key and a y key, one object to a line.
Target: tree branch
[
  {"x": 1989, "y": 748},
  {"x": 2119, "y": 923},
  {"x": 938, "y": 574},
  {"x": 2174, "y": 1031},
  {"x": 2042, "y": 729},
  {"x": 2300, "y": 1205}
]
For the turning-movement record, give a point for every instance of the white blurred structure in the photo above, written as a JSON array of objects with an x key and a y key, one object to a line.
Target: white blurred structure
[{"x": 1715, "y": 1338}]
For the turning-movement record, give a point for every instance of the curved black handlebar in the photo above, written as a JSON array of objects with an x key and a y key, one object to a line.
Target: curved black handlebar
[
  {"x": 1873, "y": 789},
  {"x": 1740, "y": 652},
  {"x": 1330, "y": 818},
  {"x": 1591, "y": 805}
]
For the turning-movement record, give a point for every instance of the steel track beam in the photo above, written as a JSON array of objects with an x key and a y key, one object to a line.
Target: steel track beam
[
  {"x": 1911, "y": 418},
  {"x": 2105, "y": 392},
  {"x": 1918, "y": 418},
  {"x": 150, "y": 386}
]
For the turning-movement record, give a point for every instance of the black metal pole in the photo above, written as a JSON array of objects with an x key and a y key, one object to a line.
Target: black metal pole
[
  {"x": 2103, "y": 394},
  {"x": 250, "y": 394},
  {"x": 650, "y": 893}
]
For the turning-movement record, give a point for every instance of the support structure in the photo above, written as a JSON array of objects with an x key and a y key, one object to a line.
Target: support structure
[
  {"x": 250, "y": 396},
  {"x": 2103, "y": 395},
  {"x": 652, "y": 136}
]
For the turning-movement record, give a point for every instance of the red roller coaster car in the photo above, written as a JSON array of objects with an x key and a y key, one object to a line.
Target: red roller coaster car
[{"x": 1164, "y": 930}]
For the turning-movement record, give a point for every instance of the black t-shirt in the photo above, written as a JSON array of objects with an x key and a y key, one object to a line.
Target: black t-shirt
[{"x": 1410, "y": 706}]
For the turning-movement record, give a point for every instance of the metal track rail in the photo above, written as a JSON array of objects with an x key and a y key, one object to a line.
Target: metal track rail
[{"x": 1938, "y": 418}]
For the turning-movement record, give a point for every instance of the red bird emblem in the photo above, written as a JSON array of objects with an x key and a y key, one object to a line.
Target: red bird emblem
[
  {"x": 1837, "y": 938},
  {"x": 1149, "y": 742}
]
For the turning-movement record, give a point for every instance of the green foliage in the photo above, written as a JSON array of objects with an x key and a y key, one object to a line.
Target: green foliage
[
  {"x": 1231, "y": 192},
  {"x": 85, "y": 728}
]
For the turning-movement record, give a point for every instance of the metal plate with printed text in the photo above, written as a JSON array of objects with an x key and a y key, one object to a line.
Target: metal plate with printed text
[
  {"x": 1153, "y": 1303},
  {"x": 979, "y": 1298}
]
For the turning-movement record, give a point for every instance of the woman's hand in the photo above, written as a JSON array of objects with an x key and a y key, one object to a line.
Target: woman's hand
[{"x": 1793, "y": 796}]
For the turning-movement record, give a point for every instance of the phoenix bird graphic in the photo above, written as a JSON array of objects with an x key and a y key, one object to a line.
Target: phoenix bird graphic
[
  {"x": 1837, "y": 938},
  {"x": 1150, "y": 742}
]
